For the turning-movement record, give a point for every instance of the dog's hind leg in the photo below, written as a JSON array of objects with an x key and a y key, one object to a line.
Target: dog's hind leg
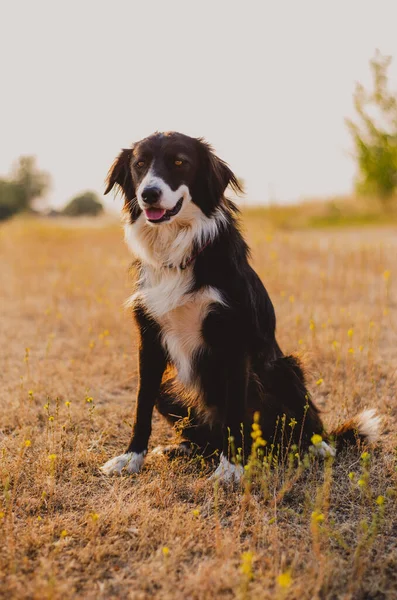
[
  {"x": 196, "y": 435},
  {"x": 285, "y": 393}
]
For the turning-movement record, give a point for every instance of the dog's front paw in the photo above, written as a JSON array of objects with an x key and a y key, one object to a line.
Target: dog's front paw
[
  {"x": 131, "y": 462},
  {"x": 227, "y": 471}
]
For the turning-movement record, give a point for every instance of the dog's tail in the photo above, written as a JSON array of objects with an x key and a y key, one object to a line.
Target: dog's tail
[{"x": 365, "y": 428}]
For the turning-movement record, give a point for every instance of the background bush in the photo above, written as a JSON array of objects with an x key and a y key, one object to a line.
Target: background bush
[{"x": 84, "y": 204}]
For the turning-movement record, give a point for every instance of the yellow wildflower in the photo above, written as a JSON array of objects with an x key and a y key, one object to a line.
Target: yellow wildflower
[
  {"x": 316, "y": 439},
  {"x": 284, "y": 580},
  {"x": 247, "y": 559},
  {"x": 317, "y": 516}
]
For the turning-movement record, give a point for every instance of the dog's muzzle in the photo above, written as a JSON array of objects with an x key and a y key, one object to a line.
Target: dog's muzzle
[{"x": 156, "y": 214}]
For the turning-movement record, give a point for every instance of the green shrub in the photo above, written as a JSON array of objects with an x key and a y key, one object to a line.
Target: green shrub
[
  {"x": 11, "y": 199},
  {"x": 84, "y": 204}
]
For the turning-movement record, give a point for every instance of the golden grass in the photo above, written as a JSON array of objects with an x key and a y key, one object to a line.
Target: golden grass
[
  {"x": 69, "y": 374},
  {"x": 335, "y": 212}
]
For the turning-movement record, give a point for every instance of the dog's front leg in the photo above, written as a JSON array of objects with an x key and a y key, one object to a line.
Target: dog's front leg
[
  {"x": 230, "y": 466},
  {"x": 152, "y": 363}
]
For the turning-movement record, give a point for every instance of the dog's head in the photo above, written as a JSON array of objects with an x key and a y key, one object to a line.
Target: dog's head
[{"x": 160, "y": 175}]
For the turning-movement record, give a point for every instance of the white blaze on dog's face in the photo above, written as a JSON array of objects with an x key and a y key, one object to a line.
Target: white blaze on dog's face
[{"x": 158, "y": 201}]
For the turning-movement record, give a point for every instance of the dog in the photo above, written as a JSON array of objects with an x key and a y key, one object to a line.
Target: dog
[{"x": 208, "y": 355}]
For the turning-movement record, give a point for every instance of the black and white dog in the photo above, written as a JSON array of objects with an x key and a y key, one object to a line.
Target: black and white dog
[{"x": 208, "y": 355}]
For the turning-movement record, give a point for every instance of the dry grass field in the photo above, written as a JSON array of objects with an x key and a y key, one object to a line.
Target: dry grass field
[{"x": 303, "y": 530}]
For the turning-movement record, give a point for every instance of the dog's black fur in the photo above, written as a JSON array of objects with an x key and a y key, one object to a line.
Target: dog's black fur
[{"x": 240, "y": 369}]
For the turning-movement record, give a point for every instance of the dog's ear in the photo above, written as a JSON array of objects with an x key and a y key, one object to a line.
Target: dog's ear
[
  {"x": 120, "y": 174},
  {"x": 213, "y": 177}
]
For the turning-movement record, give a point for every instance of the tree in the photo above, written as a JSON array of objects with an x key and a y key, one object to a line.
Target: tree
[
  {"x": 84, "y": 204},
  {"x": 25, "y": 185},
  {"x": 32, "y": 183},
  {"x": 375, "y": 136}
]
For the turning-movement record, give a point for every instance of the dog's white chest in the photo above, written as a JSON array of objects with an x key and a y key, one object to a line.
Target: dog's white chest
[
  {"x": 180, "y": 314},
  {"x": 182, "y": 333}
]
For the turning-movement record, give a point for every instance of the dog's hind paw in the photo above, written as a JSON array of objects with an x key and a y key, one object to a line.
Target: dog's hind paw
[
  {"x": 131, "y": 462},
  {"x": 323, "y": 450},
  {"x": 227, "y": 471},
  {"x": 174, "y": 450}
]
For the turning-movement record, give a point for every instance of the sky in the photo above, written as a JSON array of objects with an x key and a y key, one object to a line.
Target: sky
[{"x": 267, "y": 83}]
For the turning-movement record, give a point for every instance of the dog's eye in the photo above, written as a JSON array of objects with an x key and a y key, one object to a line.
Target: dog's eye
[
  {"x": 140, "y": 164},
  {"x": 178, "y": 163}
]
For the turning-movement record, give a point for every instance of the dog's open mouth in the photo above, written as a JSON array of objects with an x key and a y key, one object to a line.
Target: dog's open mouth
[{"x": 158, "y": 215}]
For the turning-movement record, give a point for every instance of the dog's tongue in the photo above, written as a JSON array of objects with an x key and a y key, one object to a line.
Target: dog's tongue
[{"x": 154, "y": 214}]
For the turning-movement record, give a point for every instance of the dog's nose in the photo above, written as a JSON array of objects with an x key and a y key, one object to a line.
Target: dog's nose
[{"x": 151, "y": 195}]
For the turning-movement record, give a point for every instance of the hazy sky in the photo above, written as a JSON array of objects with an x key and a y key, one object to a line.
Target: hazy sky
[{"x": 268, "y": 83}]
